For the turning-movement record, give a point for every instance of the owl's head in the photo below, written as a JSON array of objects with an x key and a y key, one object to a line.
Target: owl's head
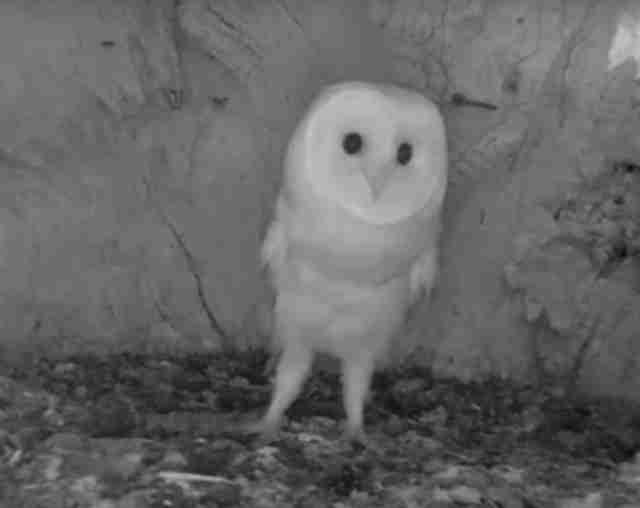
[{"x": 377, "y": 151}]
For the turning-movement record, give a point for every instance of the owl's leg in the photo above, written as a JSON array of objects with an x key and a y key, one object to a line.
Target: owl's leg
[
  {"x": 292, "y": 371},
  {"x": 356, "y": 377}
]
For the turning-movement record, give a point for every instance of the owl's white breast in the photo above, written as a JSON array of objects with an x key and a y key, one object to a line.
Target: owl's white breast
[{"x": 344, "y": 246}]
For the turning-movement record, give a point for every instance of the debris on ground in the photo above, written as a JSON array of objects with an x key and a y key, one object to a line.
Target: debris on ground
[{"x": 129, "y": 430}]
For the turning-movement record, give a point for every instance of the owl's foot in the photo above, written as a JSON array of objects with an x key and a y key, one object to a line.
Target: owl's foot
[
  {"x": 266, "y": 432},
  {"x": 358, "y": 439},
  {"x": 355, "y": 437}
]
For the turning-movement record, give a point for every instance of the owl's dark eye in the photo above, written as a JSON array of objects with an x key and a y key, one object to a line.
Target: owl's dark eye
[
  {"x": 352, "y": 143},
  {"x": 404, "y": 153}
]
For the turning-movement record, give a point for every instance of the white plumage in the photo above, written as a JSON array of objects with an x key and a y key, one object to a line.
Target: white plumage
[{"x": 354, "y": 239}]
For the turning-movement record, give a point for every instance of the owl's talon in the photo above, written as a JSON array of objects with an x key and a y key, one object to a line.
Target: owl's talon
[
  {"x": 356, "y": 437},
  {"x": 265, "y": 432}
]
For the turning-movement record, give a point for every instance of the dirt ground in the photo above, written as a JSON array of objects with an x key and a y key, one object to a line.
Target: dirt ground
[{"x": 136, "y": 431}]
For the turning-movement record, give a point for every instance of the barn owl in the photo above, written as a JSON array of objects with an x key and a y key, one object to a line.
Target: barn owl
[{"x": 354, "y": 239}]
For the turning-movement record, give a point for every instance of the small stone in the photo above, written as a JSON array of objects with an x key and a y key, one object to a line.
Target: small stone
[
  {"x": 51, "y": 470},
  {"x": 418, "y": 442},
  {"x": 29, "y": 437},
  {"x": 68, "y": 442},
  {"x": 450, "y": 473},
  {"x": 533, "y": 309},
  {"x": 80, "y": 392},
  {"x": 592, "y": 500},
  {"x": 105, "y": 503},
  {"x": 62, "y": 369},
  {"x": 239, "y": 382},
  {"x": 466, "y": 495},
  {"x": 223, "y": 494},
  {"x": 174, "y": 459},
  {"x": 135, "y": 499},
  {"x": 163, "y": 398},
  {"x": 208, "y": 460},
  {"x": 395, "y": 426},
  {"x": 438, "y": 417},
  {"x": 508, "y": 498},
  {"x": 441, "y": 495},
  {"x": 508, "y": 473},
  {"x": 210, "y": 399},
  {"x": 112, "y": 416},
  {"x": 128, "y": 465}
]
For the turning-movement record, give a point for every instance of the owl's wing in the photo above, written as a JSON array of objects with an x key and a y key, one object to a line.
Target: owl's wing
[
  {"x": 274, "y": 248},
  {"x": 273, "y": 256},
  {"x": 423, "y": 274}
]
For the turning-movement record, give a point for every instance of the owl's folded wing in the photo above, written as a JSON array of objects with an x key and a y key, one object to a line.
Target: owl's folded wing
[
  {"x": 423, "y": 274},
  {"x": 274, "y": 248}
]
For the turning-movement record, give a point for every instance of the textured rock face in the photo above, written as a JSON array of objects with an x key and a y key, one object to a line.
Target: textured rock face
[
  {"x": 71, "y": 261},
  {"x": 140, "y": 151},
  {"x": 563, "y": 118}
]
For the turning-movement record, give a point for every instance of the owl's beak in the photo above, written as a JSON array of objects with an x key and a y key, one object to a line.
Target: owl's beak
[{"x": 377, "y": 179}]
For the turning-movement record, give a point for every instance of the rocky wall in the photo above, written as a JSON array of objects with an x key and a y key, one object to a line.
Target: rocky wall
[{"x": 140, "y": 148}]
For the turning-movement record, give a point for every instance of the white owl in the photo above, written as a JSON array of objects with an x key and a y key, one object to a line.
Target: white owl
[{"x": 354, "y": 240}]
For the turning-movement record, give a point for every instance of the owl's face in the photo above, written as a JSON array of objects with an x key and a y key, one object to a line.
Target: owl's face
[{"x": 377, "y": 151}]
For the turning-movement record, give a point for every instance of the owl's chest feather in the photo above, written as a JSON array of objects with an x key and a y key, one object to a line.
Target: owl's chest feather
[
  {"x": 344, "y": 248},
  {"x": 340, "y": 317}
]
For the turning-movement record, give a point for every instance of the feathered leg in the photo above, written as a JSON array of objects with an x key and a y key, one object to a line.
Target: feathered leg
[
  {"x": 356, "y": 376},
  {"x": 293, "y": 369}
]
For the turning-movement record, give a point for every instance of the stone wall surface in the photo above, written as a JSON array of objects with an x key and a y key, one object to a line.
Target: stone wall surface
[{"x": 140, "y": 148}]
